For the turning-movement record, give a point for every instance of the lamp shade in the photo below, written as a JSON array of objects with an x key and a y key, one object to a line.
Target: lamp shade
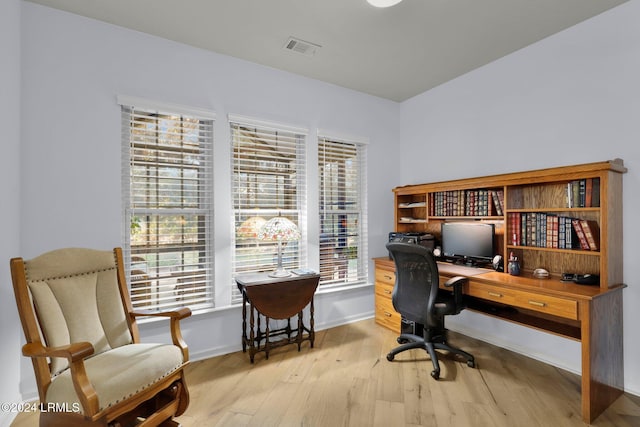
[
  {"x": 250, "y": 228},
  {"x": 279, "y": 229},
  {"x": 383, "y": 3}
]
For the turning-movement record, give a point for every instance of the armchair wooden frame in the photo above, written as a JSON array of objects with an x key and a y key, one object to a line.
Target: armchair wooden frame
[{"x": 153, "y": 405}]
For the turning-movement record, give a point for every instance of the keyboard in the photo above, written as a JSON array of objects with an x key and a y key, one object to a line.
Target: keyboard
[{"x": 462, "y": 270}]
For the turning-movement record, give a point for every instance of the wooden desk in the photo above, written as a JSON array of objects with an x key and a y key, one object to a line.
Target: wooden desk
[
  {"x": 587, "y": 314},
  {"x": 276, "y": 298}
]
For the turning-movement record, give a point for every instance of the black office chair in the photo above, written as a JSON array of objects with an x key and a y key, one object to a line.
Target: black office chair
[{"x": 417, "y": 298}]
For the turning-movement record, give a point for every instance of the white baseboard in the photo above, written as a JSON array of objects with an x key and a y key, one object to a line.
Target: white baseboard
[
  {"x": 219, "y": 351},
  {"x": 499, "y": 342},
  {"x": 345, "y": 320}
]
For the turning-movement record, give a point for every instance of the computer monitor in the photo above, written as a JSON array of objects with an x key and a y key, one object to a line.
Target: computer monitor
[{"x": 468, "y": 242}]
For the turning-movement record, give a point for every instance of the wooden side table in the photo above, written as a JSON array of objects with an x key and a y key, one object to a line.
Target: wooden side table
[{"x": 276, "y": 298}]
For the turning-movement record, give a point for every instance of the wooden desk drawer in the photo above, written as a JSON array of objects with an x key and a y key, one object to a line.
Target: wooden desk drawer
[
  {"x": 386, "y": 315},
  {"x": 385, "y": 276},
  {"x": 384, "y": 289},
  {"x": 543, "y": 303}
]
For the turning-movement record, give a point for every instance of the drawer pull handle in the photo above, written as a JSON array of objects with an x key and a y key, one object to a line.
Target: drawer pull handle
[
  {"x": 388, "y": 277},
  {"x": 387, "y": 291},
  {"x": 387, "y": 314},
  {"x": 537, "y": 303},
  {"x": 495, "y": 294}
]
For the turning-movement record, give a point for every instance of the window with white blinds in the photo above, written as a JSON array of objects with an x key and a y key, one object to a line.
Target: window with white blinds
[
  {"x": 167, "y": 189},
  {"x": 268, "y": 167},
  {"x": 343, "y": 214}
]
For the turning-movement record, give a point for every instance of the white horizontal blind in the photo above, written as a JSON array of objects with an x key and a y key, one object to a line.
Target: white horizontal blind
[
  {"x": 268, "y": 167},
  {"x": 167, "y": 189},
  {"x": 343, "y": 216}
]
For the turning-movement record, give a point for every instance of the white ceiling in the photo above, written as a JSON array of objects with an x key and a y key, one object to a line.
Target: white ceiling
[{"x": 393, "y": 53}]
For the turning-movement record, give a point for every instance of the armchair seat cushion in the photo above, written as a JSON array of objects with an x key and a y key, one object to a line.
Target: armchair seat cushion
[{"x": 119, "y": 373}]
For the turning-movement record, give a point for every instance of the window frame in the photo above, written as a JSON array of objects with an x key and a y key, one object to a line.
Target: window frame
[
  {"x": 337, "y": 264},
  {"x": 179, "y": 165},
  {"x": 247, "y": 215}
]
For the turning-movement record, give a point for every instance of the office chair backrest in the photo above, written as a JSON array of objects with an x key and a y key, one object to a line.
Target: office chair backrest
[{"x": 416, "y": 284}]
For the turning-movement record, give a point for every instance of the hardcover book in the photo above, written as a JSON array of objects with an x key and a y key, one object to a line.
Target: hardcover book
[
  {"x": 577, "y": 226},
  {"x": 592, "y": 233}
]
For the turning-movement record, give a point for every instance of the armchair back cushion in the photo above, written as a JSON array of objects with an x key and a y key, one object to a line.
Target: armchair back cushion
[{"x": 73, "y": 304}]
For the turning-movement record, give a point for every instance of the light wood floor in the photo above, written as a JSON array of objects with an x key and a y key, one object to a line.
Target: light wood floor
[{"x": 347, "y": 381}]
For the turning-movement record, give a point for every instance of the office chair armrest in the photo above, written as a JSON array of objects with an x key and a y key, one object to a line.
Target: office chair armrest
[{"x": 456, "y": 282}]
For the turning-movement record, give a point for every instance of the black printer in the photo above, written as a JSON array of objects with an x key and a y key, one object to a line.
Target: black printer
[{"x": 425, "y": 239}]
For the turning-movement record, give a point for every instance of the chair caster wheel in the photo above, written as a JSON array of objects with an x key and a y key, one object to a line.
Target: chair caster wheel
[
  {"x": 390, "y": 357},
  {"x": 471, "y": 363},
  {"x": 435, "y": 375}
]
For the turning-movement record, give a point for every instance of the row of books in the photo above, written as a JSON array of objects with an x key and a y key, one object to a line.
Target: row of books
[
  {"x": 583, "y": 193},
  {"x": 545, "y": 230},
  {"x": 467, "y": 203}
]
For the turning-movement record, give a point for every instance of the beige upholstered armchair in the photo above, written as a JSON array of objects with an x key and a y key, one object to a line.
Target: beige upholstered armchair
[{"x": 81, "y": 334}]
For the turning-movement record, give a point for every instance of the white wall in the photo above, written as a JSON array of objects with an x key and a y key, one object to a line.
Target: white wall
[
  {"x": 74, "y": 67},
  {"x": 571, "y": 98},
  {"x": 10, "y": 193}
]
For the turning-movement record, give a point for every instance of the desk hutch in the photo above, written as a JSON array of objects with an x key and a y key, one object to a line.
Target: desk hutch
[{"x": 591, "y": 315}]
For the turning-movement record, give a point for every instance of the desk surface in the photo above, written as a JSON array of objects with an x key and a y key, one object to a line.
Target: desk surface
[
  {"x": 254, "y": 279},
  {"x": 550, "y": 286}
]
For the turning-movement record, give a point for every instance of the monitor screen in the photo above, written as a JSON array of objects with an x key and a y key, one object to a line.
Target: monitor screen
[{"x": 470, "y": 242}]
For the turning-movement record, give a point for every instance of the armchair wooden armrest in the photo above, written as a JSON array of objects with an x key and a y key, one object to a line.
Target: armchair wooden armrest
[
  {"x": 72, "y": 352},
  {"x": 180, "y": 313},
  {"x": 457, "y": 282},
  {"x": 175, "y": 316},
  {"x": 75, "y": 353}
]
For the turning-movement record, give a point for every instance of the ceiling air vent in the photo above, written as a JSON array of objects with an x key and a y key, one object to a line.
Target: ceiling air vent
[{"x": 301, "y": 46}]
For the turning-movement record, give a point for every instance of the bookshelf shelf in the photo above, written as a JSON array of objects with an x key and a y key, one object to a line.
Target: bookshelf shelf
[
  {"x": 412, "y": 221},
  {"x": 411, "y": 205},
  {"x": 556, "y": 210},
  {"x": 468, "y": 217},
  {"x": 556, "y": 250}
]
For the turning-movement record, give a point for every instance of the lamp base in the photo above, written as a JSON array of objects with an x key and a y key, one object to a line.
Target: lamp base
[{"x": 280, "y": 272}]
